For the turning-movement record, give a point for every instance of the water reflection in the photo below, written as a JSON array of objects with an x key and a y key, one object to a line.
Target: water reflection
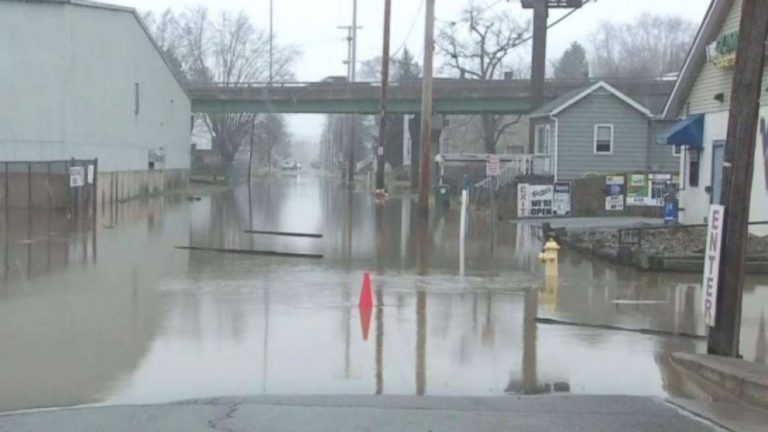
[{"x": 147, "y": 323}]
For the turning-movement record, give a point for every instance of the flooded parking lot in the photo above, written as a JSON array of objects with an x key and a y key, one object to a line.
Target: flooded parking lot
[{"x": 120, "y": 315}]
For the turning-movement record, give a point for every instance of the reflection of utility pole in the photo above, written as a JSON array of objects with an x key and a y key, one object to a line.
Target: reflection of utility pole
[
  {"x": 737, "y": 176},
  {"x": 421, "y": 342},
  {"x": 426, "y": 109}
]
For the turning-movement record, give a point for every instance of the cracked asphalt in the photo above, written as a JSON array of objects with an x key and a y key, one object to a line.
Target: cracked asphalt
[{"x": 369, "y": 413}]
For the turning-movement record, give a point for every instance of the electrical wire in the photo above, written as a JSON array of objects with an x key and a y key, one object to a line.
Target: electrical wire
[{"x": 410, "y": 30}]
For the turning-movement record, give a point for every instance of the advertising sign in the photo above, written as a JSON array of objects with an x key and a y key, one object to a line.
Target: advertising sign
[
  {"x": 637, "y": 191},
  {"x": 647, "y": 190},
  {"x": 541, "y": 200},
  {"x": 76, "y": 177},
  {"x": 712, "y": 262},
  {"x": 534, "y": 200},
  {"x": 614, "y": 193},
  {"x": 722, "y": 52},
  {"x": 561, "y": 201}
]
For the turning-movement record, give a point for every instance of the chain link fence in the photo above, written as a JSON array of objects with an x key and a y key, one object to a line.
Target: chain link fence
[{"x": 56, "y": 185}]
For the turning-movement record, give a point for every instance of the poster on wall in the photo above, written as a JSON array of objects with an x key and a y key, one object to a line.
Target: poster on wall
[
  {"x": 647, "y": 190},
  {"x": 534, "y": 200},
  {"x": 637, "y": 190},
  {"x": 561, "y": 200},
  {"x": 614, "y": 193}
]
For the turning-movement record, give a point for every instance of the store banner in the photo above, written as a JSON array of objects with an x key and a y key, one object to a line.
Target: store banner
[{"x": 561, "y": 201}]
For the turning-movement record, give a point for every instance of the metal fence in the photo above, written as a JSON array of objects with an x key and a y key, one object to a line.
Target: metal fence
[{"x": 57, "y": 185}]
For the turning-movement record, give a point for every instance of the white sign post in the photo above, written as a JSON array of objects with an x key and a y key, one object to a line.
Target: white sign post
[
  {"x": 492, "y": 166},
  {"x": 712, "y": 262}
]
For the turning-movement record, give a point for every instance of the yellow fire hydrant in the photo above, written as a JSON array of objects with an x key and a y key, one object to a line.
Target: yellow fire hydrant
[{"x": 550, "y": 258}]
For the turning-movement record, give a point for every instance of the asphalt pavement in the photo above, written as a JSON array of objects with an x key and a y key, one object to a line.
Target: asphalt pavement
[{"x": 369, "y": 413}]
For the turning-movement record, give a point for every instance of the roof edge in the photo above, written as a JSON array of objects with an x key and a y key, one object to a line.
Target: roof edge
[
  {"x": 601, "y": 85},
  {"x": 696, "y": 58}
]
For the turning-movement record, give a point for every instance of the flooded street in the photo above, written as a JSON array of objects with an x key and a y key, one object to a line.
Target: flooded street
[{"x": 122, "y": 316}]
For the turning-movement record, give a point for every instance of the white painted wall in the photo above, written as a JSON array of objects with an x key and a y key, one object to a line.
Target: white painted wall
[
  {"x": 696, "y": 201},
  {"x": 67, "y": 75}
]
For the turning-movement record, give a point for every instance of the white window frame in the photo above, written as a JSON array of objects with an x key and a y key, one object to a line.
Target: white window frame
[
  {"x": 677, "y": 151},
  {"x": 547, "y": 136},
  {"x": 594, "y": 139}
]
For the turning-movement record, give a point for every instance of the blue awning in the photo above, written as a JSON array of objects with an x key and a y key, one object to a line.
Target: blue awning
[{"x": 688, "y": 132}]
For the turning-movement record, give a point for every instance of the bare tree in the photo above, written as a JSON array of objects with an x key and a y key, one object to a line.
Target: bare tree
[
  {"x": 478, "y": 46},
  {"x": 649, "y": 47},
  {"x": 227, "y": 49}
]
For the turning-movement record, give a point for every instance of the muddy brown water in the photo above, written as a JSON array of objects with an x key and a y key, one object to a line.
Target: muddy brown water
[{"x": 122, "y": 316}]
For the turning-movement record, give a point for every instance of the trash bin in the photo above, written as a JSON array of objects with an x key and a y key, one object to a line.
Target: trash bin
[{"x": 442, "y": 196}]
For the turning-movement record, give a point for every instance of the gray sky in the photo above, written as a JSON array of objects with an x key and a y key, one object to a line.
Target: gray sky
[{"x": 312, "y": 25}]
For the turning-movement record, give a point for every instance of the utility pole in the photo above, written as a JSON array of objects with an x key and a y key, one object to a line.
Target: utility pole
[
  {"x": 380, "y": 162},
  {"x": 737, "y": 176},
  {"x": 353, "y": 66},
  {"x": 426, "y": 109},
  {"x": 539, "y": 61},
  {"x": 271, "y": 41},
  {"x": 539, "y": 51}
]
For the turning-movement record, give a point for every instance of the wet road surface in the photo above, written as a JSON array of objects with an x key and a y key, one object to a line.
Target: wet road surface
[{"x": 120, "y": 316}]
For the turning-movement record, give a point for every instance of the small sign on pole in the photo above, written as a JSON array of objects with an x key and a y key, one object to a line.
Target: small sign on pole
[
  {"x": 492, "y": 166},
  {"x": 712, "y": 262},
  {"x": 76, "y": 176}
]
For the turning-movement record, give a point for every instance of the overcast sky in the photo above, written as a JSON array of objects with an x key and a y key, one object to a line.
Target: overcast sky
[{"x": 312, "y": 25}]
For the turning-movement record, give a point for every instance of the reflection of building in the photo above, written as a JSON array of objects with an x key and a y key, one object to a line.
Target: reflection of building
[
  {"x": 702, "y": 100},
  {"x": 89, "y": 83}
]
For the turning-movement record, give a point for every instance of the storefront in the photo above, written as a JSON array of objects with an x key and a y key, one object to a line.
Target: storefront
[{"x": 701, "y": 100}]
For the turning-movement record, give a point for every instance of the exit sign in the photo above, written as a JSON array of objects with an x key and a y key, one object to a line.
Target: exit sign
[{"x": 555, "y": 4}]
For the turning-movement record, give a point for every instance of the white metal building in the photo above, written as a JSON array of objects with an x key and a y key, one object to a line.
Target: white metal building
[
  {"x": 84, "y": 80},
  {"x": 701, "y": 100}
]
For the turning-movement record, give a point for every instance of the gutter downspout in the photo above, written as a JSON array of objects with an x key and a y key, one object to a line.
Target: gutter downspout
[{"x": 555, "y": 159}]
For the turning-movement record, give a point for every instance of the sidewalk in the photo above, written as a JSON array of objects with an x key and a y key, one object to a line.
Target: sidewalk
[
  {"x": 365, "y": 413},
  {"x": 728, "y": 378}
]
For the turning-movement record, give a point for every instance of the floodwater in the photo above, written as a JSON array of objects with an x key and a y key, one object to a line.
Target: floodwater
[{"x": 120, "y": 315}]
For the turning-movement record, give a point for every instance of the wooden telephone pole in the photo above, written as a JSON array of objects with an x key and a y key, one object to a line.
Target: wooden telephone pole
[
  {"x": 380, "y": 162},
  {"x": 737, "y": 175},
  {"x": 426, "y": 109},
  {"x": 539, "y": 61}
]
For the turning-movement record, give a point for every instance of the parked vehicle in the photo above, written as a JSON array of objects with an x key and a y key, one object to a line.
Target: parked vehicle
[{"x": 291, "y": 165}]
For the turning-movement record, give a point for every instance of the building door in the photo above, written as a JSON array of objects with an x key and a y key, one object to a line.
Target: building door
[{"x": 718, "y": 156}]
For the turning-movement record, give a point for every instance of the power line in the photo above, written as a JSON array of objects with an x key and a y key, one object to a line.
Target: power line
[{"x": 410, "y": 30}]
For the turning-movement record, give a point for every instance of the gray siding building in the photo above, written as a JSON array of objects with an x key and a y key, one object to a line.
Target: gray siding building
[{"x": 599, "y": 130}]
